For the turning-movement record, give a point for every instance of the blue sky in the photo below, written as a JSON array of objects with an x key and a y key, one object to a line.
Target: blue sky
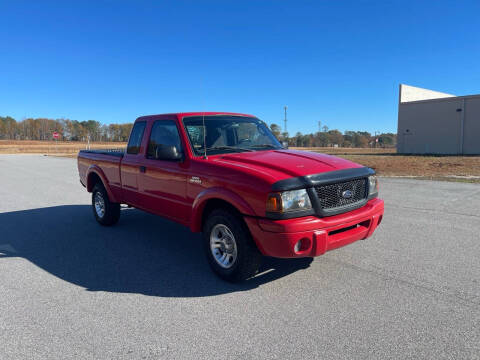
[{"x": 338, "y": 62}]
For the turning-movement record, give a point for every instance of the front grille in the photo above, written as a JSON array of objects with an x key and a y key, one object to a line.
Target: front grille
[{"x": 332, "y": 196}]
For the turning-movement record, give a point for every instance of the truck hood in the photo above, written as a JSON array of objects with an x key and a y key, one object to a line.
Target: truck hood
[{"x": 282, "y": 164}]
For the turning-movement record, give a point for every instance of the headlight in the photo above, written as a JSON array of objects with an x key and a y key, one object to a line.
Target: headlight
[
  {"x": 288, "y": 201},
  {"x": 372, "y": 186}
]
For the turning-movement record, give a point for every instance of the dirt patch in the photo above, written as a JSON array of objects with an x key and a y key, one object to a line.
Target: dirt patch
[
  {"x": 387, "y": 163},
  {"x": 451, "y": 168},
  {"x": 349, "y": 151},
  {"x": 65, "y": 148}
]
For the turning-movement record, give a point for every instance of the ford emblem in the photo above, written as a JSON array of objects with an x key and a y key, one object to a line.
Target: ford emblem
[{"x": 347, "y": 194}]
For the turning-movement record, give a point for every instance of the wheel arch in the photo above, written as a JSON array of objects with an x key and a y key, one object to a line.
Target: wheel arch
[
  {"x": 95, "y": 175},
  {"x": 215, "y": 198}
]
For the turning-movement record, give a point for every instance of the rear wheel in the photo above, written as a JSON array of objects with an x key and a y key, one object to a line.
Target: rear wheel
[
  {"x": 229, "y": 247},
  {"x": 106, "y": 212}
]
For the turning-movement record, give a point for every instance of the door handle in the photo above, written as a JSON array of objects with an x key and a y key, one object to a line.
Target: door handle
[{"x": 143, "y": 169}]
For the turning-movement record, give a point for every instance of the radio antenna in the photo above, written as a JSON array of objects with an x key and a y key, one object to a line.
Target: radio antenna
[
  {"x": 202, "y": 91},
  {"x": 204, "y": 137}
]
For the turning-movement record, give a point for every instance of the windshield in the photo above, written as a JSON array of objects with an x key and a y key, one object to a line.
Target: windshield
[{"x": 227, "y": 134}]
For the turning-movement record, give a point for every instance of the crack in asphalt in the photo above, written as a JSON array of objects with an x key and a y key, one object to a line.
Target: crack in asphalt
[
  {"x": 436, "y": 211},
  {"x": 468, "y": 299}
]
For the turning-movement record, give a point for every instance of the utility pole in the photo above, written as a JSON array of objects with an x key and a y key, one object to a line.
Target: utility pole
[
  {"x": 285, "y": 108},
  {"x": 319, "y": 126},
  {"x": 375, "y": 140}
]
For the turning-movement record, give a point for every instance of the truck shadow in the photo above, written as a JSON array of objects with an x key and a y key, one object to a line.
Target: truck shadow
[{"x": 142, "y": 254}]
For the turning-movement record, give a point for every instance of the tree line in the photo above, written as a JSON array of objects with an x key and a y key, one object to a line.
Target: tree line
[
  {"x": 68, "y": 130},
  {"x": 334, "y": 138},
  {"x": 73, "y": 130}
]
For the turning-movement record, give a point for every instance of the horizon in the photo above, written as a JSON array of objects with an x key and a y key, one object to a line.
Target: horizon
[
  {"x": 339, "y": 63},
  {"x": 290, "y": 134}
]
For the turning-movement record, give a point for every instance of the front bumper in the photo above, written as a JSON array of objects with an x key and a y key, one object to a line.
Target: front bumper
[{"x": 278, "y": 238}]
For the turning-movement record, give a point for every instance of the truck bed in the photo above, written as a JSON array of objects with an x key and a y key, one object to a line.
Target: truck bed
[
  {"x": 113, "y": 152},
  {"x": 106, "y": 161}
]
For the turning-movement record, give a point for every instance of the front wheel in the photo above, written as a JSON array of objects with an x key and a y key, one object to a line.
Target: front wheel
[
  {"x": 106, "y": 212},
  {"x": 229, "y": 247}
]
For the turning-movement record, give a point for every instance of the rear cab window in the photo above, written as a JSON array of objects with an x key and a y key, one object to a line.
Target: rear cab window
[{"x": 136, "y": 137}]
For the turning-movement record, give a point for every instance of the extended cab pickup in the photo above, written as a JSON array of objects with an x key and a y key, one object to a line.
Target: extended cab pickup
[{"x": 226, "y": 175}]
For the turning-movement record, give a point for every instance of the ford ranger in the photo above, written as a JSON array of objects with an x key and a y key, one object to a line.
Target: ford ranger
[{"x": 227, "y": 176}]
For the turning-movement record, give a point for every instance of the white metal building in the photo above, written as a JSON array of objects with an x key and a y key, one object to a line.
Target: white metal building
[{"x": 431, "y": 122}]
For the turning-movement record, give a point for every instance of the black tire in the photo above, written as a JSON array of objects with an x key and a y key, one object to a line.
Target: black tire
[
  {"x": 248, "y": 259},
  {"x": 111, "y": 210}
]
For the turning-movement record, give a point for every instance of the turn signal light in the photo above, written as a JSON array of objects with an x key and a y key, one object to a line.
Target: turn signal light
[{"x": 274, "y": 202}]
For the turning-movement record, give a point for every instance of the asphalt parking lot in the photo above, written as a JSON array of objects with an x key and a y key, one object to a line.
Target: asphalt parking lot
[{"x": 142, "y": 289}]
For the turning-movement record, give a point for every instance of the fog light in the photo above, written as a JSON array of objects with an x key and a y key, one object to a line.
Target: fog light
[
  {"x": 298, "y": 246},
  {"x": 303, "y": 245}
]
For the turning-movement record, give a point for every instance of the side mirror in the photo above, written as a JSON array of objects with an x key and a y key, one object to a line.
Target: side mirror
[
  {"x": 285, "y": 144},
  {"x": 167, "y": 152}
]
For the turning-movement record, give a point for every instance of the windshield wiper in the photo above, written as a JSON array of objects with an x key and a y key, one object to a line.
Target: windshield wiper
[
  {"x": 227, "y": 148},
  {"x": 269, "y": 146}
]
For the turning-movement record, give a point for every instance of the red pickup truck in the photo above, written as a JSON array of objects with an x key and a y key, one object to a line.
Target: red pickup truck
[{"x": 226, "y": 175}]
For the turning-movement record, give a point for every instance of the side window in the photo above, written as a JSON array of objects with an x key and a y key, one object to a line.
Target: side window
[
  {"x": 136, "y": 136},
  {"x": 164, "y": 132}
]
